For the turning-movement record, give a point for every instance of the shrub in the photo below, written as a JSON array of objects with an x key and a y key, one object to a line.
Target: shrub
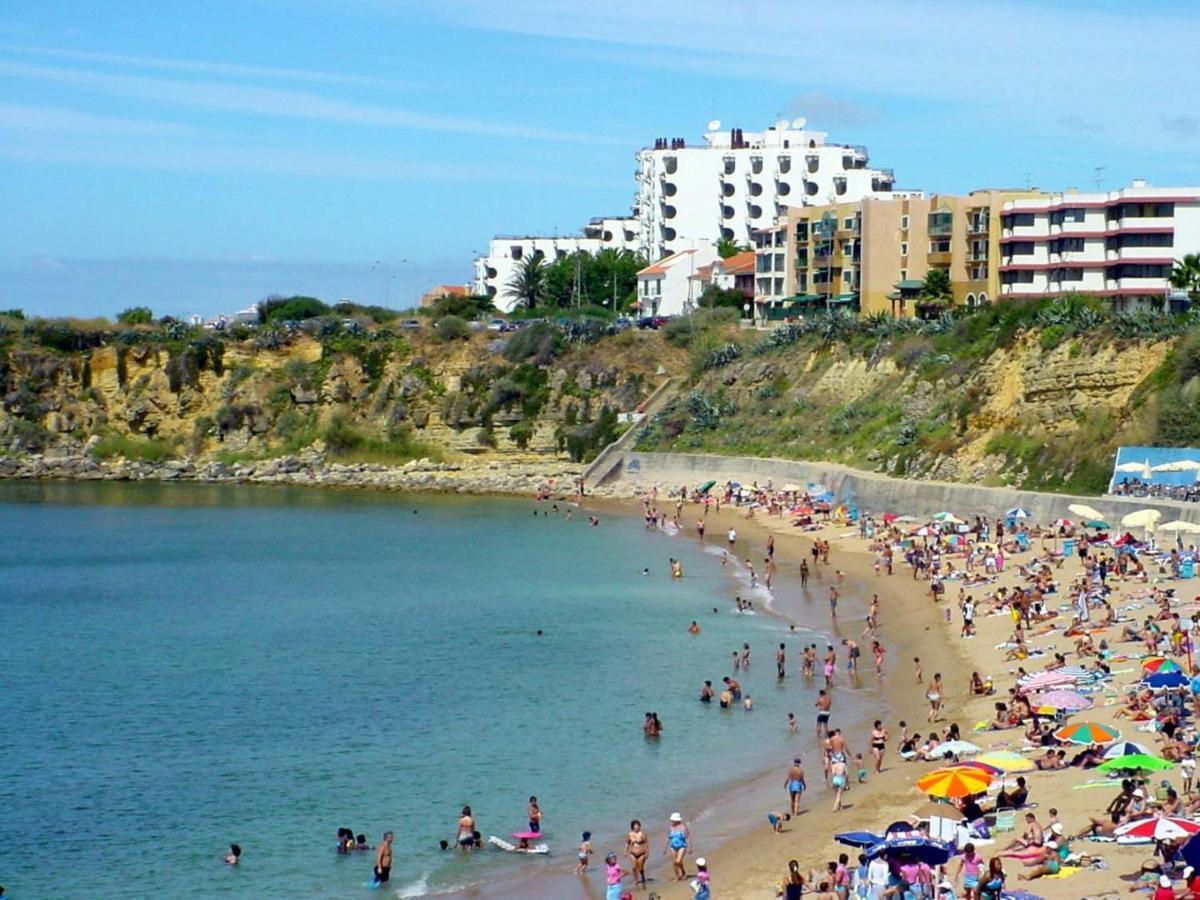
[
  {"x": 541, "y": 343},
  {"x": 285, "y": 309},
  {"x": 521, "y": 433},
  {"x": 133, "y": 448},
  {"x": 136, "y": 315},
  {"x": 1052, "y": 336},
  {"x": 452, "y": 328}
]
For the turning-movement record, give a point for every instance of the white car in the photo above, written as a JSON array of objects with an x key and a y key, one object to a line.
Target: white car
[{"x": 496, "y": 325}]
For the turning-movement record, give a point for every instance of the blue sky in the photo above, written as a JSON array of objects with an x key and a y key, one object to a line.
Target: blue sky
[{"x": 195, "y": 156}]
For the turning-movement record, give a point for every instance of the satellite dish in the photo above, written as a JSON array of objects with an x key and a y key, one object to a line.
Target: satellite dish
[
  {"x": 781, "y": 125},
  {"x": 714, "y": 125},
  {"x": 799, "y": 123}
]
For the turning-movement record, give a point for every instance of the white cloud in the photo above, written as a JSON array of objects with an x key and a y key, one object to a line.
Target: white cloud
[
  {"x": 283, "y": 103},
  {"x": 51, "y": 118}
]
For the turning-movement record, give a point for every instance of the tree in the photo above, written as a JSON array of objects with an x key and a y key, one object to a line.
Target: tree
[
  {"x": 727, "y": 247},
  {"x": 284, "y": 309},
  {"x": 528, "y": 283},
  {"x": 582, "y": 279},
  {"x": 1185, "y": 274},
  {"x": 935, "y": 290},
  {"x": 719, "y": 296},
  {"x": 136, "y": 315}
]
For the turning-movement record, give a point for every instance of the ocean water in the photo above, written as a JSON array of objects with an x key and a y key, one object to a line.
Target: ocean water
[{"x": 187, "y": 666}]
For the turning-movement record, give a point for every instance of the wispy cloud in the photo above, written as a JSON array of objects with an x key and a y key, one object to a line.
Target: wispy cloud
[
  {"x": 826, "y": 110},
  {"x": 275, "y": 102},
  {"x": 1181, "y": 126},
  {"x": 52, "y": 118},
  {"x": 1076, "y": 122},
  {"x": 203, "y": 67}
]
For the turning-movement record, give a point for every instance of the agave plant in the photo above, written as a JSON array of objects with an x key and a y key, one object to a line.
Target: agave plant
[{"x": 722, "y": 356}]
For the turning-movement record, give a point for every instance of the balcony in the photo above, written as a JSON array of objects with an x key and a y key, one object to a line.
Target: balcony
[
  {"x": 756, "y": 165},
  {"x": 978, "y": 225},
  {"x": 670, "y": 164},
  {"x": 785, "y": 165},
  {"x": 756, "y": 189},
  {"x": 940, "y": 259},
  {"x": 839, "y": 184},
  {"x": 730, "y": 165},
  {"x": 884, "y": 180},
  {"x": 940, "y": 224},
  {"x": 854, "y": 157},
  {"x": 813, "y": 161}
]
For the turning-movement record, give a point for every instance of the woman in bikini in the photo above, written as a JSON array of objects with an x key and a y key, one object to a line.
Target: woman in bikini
[
  {"x": 637, "y": 848},
  {"x": 879, "y": 738}
]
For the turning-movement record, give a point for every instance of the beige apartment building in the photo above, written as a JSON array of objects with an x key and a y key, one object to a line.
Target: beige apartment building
[{"x": 873, "y": 254}]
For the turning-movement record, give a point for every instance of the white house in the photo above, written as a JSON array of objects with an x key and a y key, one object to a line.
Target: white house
[
  {"x": 735, "y": 182},
  {"x": 1120, "y": 244},
  {"x": 668, "y": 288}
]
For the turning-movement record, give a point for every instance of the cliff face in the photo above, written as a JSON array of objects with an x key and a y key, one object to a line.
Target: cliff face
[
  {"x": 1027, "y": 415},
  {"x": 379, "y": 399}
]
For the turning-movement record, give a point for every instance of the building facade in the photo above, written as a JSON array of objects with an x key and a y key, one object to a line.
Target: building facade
[
  {"x": 671, "y": 286},
  {"x": 735, "y": 182},
  {"x": 1120, "y": 245},
  {"x": 494, "y": 272}
]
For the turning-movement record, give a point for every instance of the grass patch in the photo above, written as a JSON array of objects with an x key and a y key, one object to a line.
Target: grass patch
[{"x": 139, "y": 449}]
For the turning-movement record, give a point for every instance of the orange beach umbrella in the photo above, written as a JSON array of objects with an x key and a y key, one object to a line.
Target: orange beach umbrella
[{"x": 954, "y": 782}]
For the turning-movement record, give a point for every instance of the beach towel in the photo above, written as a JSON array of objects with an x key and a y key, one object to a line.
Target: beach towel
[{"x": 1064, "y": 872}]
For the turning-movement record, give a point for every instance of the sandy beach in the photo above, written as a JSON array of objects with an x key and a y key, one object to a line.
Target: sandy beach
[{"x": 753, "y": 865}]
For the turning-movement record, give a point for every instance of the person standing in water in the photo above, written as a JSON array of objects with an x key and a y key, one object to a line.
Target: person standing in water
[
  {"x": 535, "y": 815},
  {"x": 804, "y": 573},
  {"x": 383, "y": 859},
  {"x": 823, "y": 705},
  {"x": 466, "y": 829},
  {"x": 781, "y": 661}
]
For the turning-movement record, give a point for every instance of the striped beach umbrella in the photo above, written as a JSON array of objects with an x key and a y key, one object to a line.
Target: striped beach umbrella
[
  {"x": 1135, "y": 762},
  {"x": 1006, "y": 761},
  {"x": 1126, "y": 748},
  {"x": 954, "y": 748},
  {"x": 954, "y": 782},
  {"x": 1046, "y": 680},
  {"x": 1160, "y": 679},
  {"x": 1071, "y": 701},
  {"x": 1155, "y": 828},
  {"x": 1155, "y": 663},
  {"x": 1087, "y": 733},
  {"x": 982, "y": 766}
]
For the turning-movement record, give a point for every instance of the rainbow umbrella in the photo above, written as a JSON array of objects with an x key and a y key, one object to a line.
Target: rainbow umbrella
[
  {"x": 1071, "y": 701},
  {"x": 1155, "y": 665},
  {"x": 1155, "y": 828},
  {"x": 954, "y": 782},
  {"x": 1006, "y": 761},
  {"x": 1087, "y": 733},
  {"x": 976, "y": 764},
  {"x": 1135, "y": 762}
]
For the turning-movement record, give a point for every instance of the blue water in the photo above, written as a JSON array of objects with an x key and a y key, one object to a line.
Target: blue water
[{"x": 186, "y": 666}]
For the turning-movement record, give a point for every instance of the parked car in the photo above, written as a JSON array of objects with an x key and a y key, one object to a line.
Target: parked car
[
  {"x": 497, "y": 325},
  {"x": 652, "y": 322},
  {"x": 411, "y": 324}
]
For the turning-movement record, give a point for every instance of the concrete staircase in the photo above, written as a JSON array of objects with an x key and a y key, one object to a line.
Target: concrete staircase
[{"x": 608, "y": 465}]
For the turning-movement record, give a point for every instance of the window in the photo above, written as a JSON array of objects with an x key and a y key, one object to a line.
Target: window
[
  {"x": 1068, "y": 275},
  {"x": 778, "y": 285},
  {"x": 1022, "y": 277},
  {"x": 802, "y": 284},
  {"x": 904, "y": 223},
  {"x": 1121, "y": 241},
  {"x": 848, "y": 223},
  {"x": 904, "y": 248},
  {"x": 1018, "y": 220},
  {"x": 904, "y": 274},
  {"x": 762, "y": 262},
  {"x": 1021, "y": 248},
  {"x": 1067, "y": 215},
  {"x": 516, "y": 251},
  {"x": 848, "y": 277},
  {"x": 939, "y": 246},
  {"x": 941, "y": 222},
  {"x": 1067, "y": 245},
  {"x": 780, "y": 265}
]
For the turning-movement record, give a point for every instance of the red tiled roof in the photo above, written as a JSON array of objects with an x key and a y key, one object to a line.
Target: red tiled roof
[
  {"x": 661, "y": 267},
  {"x": 738, "y": 263}
]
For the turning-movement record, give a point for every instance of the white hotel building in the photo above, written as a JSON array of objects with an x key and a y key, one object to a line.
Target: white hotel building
[
  {"x": 1120, "y": 244},
  {"x": 506, "y": 253},
  {"x": 735, "y": 182}
]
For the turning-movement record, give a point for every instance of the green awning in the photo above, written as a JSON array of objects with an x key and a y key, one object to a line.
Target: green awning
[
  {"x": 843, "y": 298},
  {"x": 910, "y": 284},
  {"x": 894, "y": 295},
  {"x": 808, "y": 298}
]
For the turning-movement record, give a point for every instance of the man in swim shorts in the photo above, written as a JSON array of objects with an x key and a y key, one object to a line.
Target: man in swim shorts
[
  {"x": 823, "y": 704},
  {"x": 795, "y": 784},
  {"x": 383, "y": 859}
]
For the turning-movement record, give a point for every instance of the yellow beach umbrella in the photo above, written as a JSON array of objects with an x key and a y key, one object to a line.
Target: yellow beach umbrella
[
  {"x": 1006, "y": 761},
  {"x": 1143, "y": 518},
  {"x": 954, "y": 782},
  {"x": 1181, "y": 525}
]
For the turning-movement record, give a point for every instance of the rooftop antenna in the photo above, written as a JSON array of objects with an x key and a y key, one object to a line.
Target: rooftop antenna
[
  {"x": 1028, "y": 181},
  {"x": 1099, "y": 179}
]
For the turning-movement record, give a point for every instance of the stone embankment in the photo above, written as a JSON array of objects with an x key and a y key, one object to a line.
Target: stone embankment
[{"x": 309, "y": 467}]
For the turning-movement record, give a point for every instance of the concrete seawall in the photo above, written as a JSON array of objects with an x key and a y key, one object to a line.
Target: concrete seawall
[{"x": 869, "y": 490}]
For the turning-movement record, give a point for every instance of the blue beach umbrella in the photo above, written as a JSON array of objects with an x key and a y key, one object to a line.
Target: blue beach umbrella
[
  {"x": 1191, "y": 852},
  {"x": 1166, "y": 680},
  {"x": 1017, "y": 512},
  {"x": 858, "y": 838},
  {"x": 915, "y": 844}
]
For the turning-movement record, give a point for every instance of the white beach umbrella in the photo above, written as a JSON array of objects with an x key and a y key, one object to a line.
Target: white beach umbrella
[
  {"x": 1140, "y": 468},
  {"x": 1179, "y": 465},
  {"x": 1084, "y": 511},
  {"x": 1181, "y": 525},
  {"x": 1017, "y": 512},
  {"x": 954, "y": 748},
  {"x": 1143, "y": 518},
  {"x": 948, "y": 517}
]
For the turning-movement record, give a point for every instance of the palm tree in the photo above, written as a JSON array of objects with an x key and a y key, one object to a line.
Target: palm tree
[
  {"x": 936, "y": 287},
  {"x": 727, "y": 247},
  {"x": 1185, "y": 274},
  {"x": 528, "y": 283}
]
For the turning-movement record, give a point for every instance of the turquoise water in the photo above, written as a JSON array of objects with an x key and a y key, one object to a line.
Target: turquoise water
[{"x": 186, "y": 666}]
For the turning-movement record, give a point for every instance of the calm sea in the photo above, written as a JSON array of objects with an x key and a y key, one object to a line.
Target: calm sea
[{"x": 189, "y": 666}]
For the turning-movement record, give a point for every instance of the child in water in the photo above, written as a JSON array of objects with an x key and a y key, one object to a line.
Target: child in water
[{"x": 585, "y": 854}]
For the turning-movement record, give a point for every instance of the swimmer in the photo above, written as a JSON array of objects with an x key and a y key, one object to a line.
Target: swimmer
[
  {"x": 231, "y": 858},
  {"x": 792, "y": 724},
  {"x": 383, "y": 859},
  {"x": 694, "y": 628}
]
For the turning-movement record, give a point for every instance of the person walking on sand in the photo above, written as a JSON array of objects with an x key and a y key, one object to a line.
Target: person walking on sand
[
  {"x": 613, "y": 873},
  {"x": 920, "y": 671},
  {"x": 731, "y": 537},
  {"x": 837, "y": 778},
  {"x": 637, "y": 848},
  {"x": 879, "y": 736},
  {"x": 934, "y": 696},
  {"x": 878, "y": 651},
  {"x": 795, "y": 785},
  {"x": 383, "y": 860},
  {"x": 678, "y": 839},
  {"x": 804, "y": 574}
]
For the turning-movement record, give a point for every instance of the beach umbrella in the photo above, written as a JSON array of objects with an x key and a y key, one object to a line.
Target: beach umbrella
[
  {"x": 889, "y": 518},
  {"x": 1006, "y": 761},
  {"x": 1145, "y": 519},
  {"x": 907, "y": 519},
  {"x": 858, "y": 838},
  {"x": 1180, "y": 525},
  {"x": 919, "y": 846},
  {"x": 1084, "y": 511},
  {"x": 1127, "y": 748},
  {"x": 947, "y": 517},
  {"x": 1166, "y": 680},
  {"x": 954, "y": 782},
  {"x": 955, "y": 748},
  {"x": 1139, "y": 468},
  {"x": 1097, "y": 524},
  {"x": 1062, "y": 523},
  {"x": 1071, "y": 701},
  {"x": 1156, "y": 664},
  {"x": 923, "y": 531},
  {"x": 1046, "y": 679},
  {"x": 1135, "y": 762},
  {"x": 1087, "y": 733},
  {"x": 1017, "y": 512},
  {"x": 933, "y": 808},
  {"x": 1191, "y": 852},
  {"x": 1179, "y": 465},
  {"x": 791, "y": 489},
  {"x": 1155, "y": 828},
  {"x": 976, "y": 764}
]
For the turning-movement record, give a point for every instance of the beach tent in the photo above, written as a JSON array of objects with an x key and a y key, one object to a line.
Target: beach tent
[{"x": 1084, "y": 511}]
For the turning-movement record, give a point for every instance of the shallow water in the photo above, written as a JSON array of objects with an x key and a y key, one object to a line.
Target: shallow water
[{"x": 190, "y": 665}]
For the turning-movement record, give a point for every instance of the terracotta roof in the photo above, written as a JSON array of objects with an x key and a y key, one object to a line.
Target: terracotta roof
[
  {"x": 663, "y": 265},
  {"x": 704, "y": 273},
  {"x": 454, "y": 290},
  {"x": 738, "y": 264}
]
